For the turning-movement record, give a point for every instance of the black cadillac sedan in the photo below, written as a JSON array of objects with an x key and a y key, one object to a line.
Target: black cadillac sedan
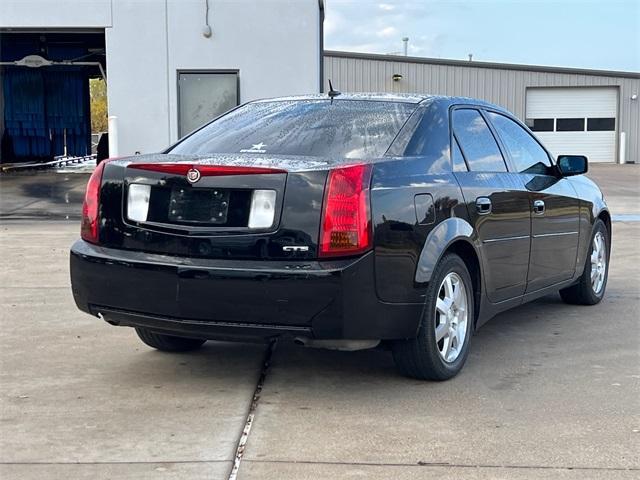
[{"x": 341, "y": 221}]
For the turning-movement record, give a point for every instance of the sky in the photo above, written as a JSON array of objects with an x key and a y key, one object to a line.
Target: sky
[{"x": 602, "y": 34}]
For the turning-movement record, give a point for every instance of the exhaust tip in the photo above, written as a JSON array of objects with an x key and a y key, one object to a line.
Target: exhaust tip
[{"x": 345, "y": 345}]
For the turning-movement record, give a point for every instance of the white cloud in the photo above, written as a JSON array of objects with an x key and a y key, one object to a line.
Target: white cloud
[
  {"x": 450, "y": 28},
  {"x": 334, "y": 21},
  {"x": 368, "y": 26},
  {"x": 387, "y": 32}
]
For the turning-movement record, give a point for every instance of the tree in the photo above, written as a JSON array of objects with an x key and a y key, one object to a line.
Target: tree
[{"x": 98, "y": 99}]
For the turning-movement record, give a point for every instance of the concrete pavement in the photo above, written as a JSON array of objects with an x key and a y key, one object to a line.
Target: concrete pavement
[
  {"x": 549, "y": 391},
  {"x": 620, "y": 185},
  {"x": 548, "y": 388},
  {"x": 81, "y": 399},
  {"x": 42, "y": 194}
]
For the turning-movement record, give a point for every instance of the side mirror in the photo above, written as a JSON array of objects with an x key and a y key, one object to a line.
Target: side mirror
[{"x": 569, "y": 165}]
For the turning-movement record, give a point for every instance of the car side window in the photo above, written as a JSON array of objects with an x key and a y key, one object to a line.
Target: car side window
[
  {"x": 476, "y": 142},
  {"x": 527, "y": 154},
  {"x": 459, "y": 164}
]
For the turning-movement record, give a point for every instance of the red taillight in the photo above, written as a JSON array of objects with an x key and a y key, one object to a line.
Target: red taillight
[
  {"x": 90, "y": 207},
  {"x": 346, "y": 216},
  {"x": 205, "y": 170}
]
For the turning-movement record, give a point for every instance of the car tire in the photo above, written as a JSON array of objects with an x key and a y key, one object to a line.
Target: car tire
[
  {"x": 589, "y": 291},
  {"x": 168, "y": 343},
  {"x": 423, "y": 357}
]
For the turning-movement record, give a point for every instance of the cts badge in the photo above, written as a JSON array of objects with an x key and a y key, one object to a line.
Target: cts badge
[
  {"x": 295, "y": 248},
  {"x": 193, "y": 175}
]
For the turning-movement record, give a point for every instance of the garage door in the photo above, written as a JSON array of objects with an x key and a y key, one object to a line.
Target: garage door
[{"x": 580, "y": 121}]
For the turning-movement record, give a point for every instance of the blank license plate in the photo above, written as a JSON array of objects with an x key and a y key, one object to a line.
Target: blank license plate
[{"x": 198, "y": 205}]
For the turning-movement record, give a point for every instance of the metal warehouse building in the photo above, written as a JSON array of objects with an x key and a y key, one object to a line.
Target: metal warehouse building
[{"x": 573, "y": 111}]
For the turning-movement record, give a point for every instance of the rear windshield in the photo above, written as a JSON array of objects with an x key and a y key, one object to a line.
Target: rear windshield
[{"x": 320, "y": 128}]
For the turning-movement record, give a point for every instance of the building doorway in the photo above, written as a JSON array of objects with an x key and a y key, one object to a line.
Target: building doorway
[{"x": 45, "y": 92}]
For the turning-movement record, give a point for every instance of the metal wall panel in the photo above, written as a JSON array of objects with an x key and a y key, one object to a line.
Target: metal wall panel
[{"x": 504, "y": 85}]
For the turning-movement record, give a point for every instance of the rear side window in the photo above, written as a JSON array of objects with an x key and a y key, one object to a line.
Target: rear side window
[
  {"x": 527, "y": 154},
  {"x": 458, "y": 158},
  {"x": 476, "y": 141},
  {"x": 340, "y": 129}
]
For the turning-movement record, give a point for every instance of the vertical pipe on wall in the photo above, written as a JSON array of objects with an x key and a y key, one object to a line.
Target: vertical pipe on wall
[
  {"x": 112, "y": 124},
  {"x": 623, "y": 148},
  {"x": 321, "y": 44}
]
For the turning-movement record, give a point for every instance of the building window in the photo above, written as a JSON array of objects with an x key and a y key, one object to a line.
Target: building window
[
  {"x": 540, "y": 124},
  {"x": 570, "y": 125},
  {"x": 601, "y": 124},
  {"x": 204, "y": 95}
]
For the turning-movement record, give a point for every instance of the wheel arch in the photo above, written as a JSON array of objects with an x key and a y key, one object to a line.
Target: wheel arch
[
  {"x": 605, "y": 216},
  {"x": 454, "y": 235},
  {"x": 443, "y": 235}
]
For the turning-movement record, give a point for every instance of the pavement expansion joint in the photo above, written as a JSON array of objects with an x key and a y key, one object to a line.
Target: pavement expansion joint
[
  {"x": 242, "y": 441},
  {"x": 425, "y": 464},
  {"x": 119, "y": 462}
]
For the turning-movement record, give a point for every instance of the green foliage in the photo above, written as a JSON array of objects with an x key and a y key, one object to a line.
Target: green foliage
[{"x": 98, "y": 95}]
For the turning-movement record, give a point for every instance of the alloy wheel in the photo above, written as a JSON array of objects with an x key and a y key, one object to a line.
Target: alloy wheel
[
  {"x": 598, "y": 263},
  {"x": 451, "y": 317}
]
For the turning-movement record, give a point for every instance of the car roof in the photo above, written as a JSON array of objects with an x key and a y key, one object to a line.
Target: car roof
[
  {"x": 379, "y": 97},
  {"x": 387, "y": 97}
]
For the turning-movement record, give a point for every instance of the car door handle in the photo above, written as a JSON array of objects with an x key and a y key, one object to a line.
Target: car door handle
[
  {"x": 483, "y": 205},
  {"x": 538, "y": 207}
]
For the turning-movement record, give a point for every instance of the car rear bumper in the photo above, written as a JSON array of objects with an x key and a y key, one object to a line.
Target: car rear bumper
[{"x": 237, "y": 298}]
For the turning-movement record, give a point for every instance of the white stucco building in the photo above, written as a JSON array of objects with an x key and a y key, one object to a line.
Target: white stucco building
[{"x": 171, "y": 65}]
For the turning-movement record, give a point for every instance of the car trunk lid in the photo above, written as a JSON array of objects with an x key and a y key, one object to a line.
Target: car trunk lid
[
  {"x": 198, "y": 199},
  {"x": 218, "y": 206}
]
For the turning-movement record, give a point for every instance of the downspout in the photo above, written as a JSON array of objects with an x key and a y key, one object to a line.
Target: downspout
[
  {"x": 321, "y": 6},
  {"x": 166, "y": 50},
  {"x": 1, "y": 109}
]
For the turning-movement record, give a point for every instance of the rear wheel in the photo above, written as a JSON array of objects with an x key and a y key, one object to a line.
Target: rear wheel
[
  {"x": 590, "y": 288},
  {"x": 168, "y": 343},
  {"x": 442, "y": 344}
]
